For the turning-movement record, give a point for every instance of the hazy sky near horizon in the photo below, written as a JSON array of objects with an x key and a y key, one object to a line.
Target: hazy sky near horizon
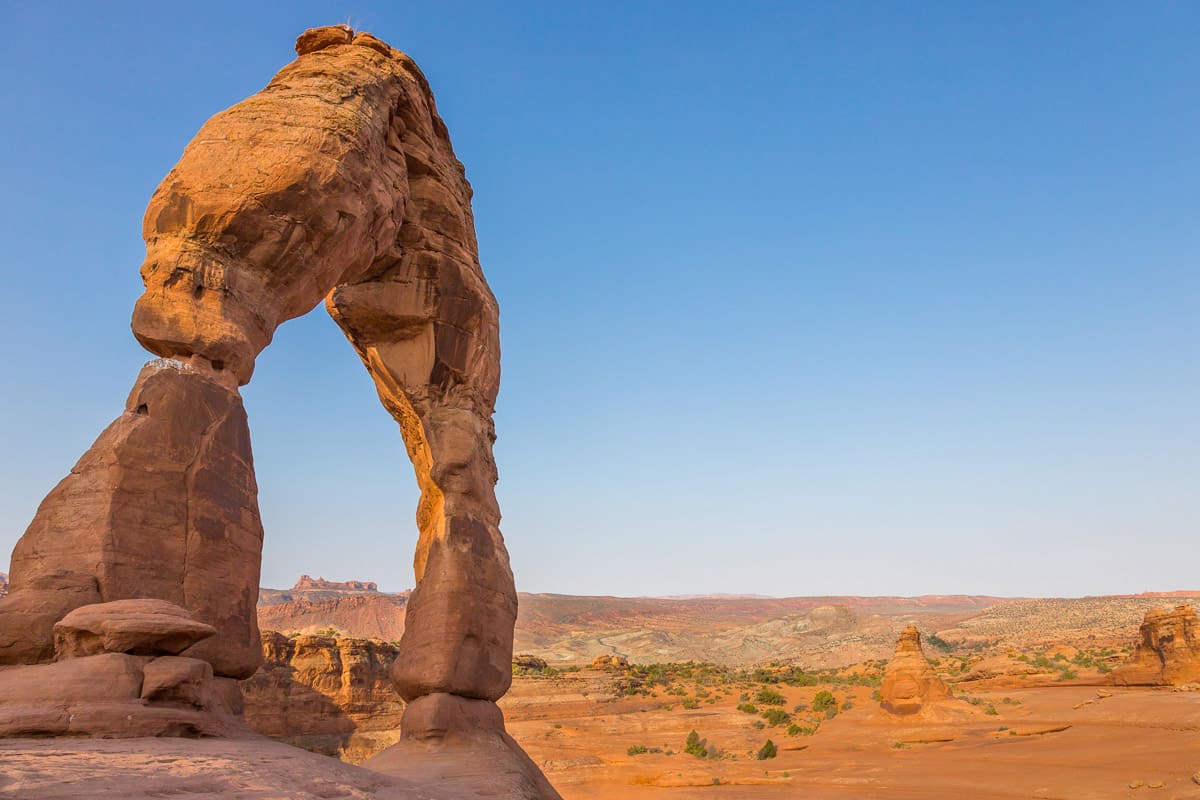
[{"x": 796, "y": 298}]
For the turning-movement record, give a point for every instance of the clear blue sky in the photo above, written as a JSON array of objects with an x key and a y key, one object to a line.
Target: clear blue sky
[{"x": 797, "y": 298}]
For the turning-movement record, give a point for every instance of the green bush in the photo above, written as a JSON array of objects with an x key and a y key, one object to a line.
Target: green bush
[
  {"x": 824, "y": 700},
  {"x": 689, "y": 702},
  {"x": 776, "y": 716},
  {"x": 768, "y": 750},
  {"x": 748, "y": 708},
  {"x": 695, "y": 746},
  {"x": 770, "y": 697}
]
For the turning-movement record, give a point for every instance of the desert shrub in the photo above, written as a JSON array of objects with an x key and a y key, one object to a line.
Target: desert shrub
[
  {"x": 1068, "y": 675},
  {"x": 801, "y": 730},
  {"x": 689, "y": 702},
  {"x": 846, "y": 706},
  {"x": 770, "y": 697},
  {"x": 758, "y": 724},
  {"x": 991, "y": 710},
  {"x": 877, "y": 695},
  {"x": 776, "y": 716},
  {"x": 695, "y": 746},
  {"x": 796, "y": 709},
  {"x": 831, "y": 712},
  {"x": 768, "y": 750},
  {"x": 938, "y": 643},
  {"x": 748, "y": 708},
  {"x": 637, "y": 750},
  {"x": 824, "y": 700}
]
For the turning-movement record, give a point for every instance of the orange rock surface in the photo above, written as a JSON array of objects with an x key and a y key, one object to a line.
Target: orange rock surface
[
  {"x": 336, "y": 183},
  {"x": 1168, "y": 650},
  {"x": 331, "y": 696},
  {"x": 910, "y": 684}
]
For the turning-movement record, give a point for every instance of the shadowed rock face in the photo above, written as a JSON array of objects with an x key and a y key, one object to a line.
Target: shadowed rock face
[
  {"x": 325, "y": 694},
  {"x": 336, "y": 183},
  {"x": 909, "y": 683},
  {"x": 1168, "y": 650}
]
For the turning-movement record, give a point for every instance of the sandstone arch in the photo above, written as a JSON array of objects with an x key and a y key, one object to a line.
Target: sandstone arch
[{"x": 336, "y": 183}]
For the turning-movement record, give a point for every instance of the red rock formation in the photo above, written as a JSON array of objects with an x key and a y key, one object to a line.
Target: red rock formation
[
  {"x": 1168, "y": 650},
  {"x": 307, "y": 583},
  {"x": 336, "y": 183},
  {"x": 363, "y": 616},
  {"x": 331, "y": 696},
  {"x": 164, "y": 505},
  {"x": 909, "y": 683}
]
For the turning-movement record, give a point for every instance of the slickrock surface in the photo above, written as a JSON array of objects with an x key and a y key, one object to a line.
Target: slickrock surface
[
  {"x": 206, "y": 769},
  {"x": 331, "y": 696},
  {"x": 910, "y": 685},
  {"x": 1168, "y": 650}
]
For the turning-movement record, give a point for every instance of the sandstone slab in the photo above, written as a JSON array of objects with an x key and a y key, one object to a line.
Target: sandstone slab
[{"x": 140, "y": 627}]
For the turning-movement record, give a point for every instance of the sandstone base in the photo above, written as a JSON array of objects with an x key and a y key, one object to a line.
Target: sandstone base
[
  {"x": 141, "y": 769},
  {"x": 461, "y": 744},
  {"x": 119, "y": 695}
]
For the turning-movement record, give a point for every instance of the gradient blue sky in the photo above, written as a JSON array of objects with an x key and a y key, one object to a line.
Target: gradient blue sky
[{"x": 812, "y": 298}]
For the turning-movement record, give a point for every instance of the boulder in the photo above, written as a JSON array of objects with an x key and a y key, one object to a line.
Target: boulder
[
  {"x": 140, "y": 627},
  {"x": 185, "y": 681}
]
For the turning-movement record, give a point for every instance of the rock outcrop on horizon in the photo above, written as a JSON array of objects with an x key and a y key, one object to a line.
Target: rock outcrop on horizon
[
  {"x": 909, "y": 683},
  {"x": 1167, "y": 652},
  {"x": 310, "y": 584},
  {"x": 336, "y": 183},
  {"x": 330, "y": 695}
]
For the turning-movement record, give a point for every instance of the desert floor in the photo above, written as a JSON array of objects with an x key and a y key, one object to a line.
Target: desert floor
[{"x": 1067, "y": 741}]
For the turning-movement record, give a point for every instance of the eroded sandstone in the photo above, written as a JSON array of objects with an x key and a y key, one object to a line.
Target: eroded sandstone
[
  {"x": 329, "y": 695},
  {"x": 336, "y": 183},
  {"x": 909, "y": 683},
  {"x": 1167, "y": 652}
]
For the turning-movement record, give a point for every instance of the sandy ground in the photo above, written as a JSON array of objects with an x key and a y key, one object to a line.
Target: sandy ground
[
  {"x": 1037, "y": 745},
  {"x": 1063, "y": 742}
]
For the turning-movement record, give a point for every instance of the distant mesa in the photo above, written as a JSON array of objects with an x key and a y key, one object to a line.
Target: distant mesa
[
  {"x": 909, "y": 683},
  {"x": 309, "y": 584},
  {"x": 1168, "y": 650}
]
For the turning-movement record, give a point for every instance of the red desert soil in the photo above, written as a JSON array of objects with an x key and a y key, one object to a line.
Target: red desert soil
[{"x": 1036, "y": 745}]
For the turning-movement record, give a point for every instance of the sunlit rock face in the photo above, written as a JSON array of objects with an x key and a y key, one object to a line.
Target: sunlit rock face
[
  {"x": 335, "y": 184},
  {"x": 1168, "y": 650},
  {"x": 909, "y": 683}
]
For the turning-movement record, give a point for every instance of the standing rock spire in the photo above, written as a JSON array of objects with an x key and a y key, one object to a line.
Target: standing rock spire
[{"x": 909, "y": 682}]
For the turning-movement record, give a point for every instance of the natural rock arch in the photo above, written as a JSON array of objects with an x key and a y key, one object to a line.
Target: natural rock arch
[{"x": 336, "y": 183}]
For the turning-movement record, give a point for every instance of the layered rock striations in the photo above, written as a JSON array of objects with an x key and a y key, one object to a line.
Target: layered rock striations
[
  {"x": 329, "y": 695},
  {"x": 910, "y": 685},
  {"x": 336, "y": 183},
  {"x": 379, "y": 616},
  {"x": 1167, "y": 652}
]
